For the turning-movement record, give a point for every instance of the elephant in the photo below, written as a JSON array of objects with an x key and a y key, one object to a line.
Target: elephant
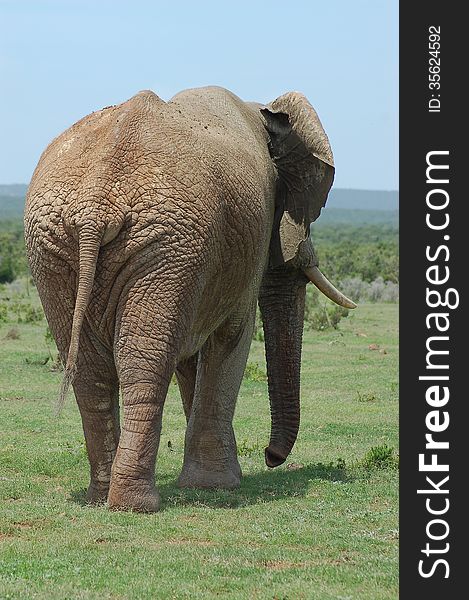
[{"x": 153, "y": 228}]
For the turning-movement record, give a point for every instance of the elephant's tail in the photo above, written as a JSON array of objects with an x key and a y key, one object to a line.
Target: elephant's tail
[{"x": 89, "y": 242}]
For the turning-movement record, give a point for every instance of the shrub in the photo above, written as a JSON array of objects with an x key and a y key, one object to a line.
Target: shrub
[
  {"x": 3, "y": 312},
  {"x": 390, "y": 292},
  {"x": 29, "y": 314},
  {"x": 378, "y": 290},
  {"x": 25, "y": 312},
  {"x": 354, "y": 287},
  {"x": 366, "y": 397},
  {"x": 15, "y": 304},
  {"x": 258, "y": 333},
  {"x": 253, "y": 372},
  {"x": 381, "y": 457},
  {"x": 336, "y": 313},
  {"x": 246, "y": 449},
  {"x": 321, "y": 315},
  {"x": 7, "y": 273},
  {"x": 13, "y": 261}
]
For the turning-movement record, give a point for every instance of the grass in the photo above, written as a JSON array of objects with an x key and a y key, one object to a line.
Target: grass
[{"x": 322, "y": 526}]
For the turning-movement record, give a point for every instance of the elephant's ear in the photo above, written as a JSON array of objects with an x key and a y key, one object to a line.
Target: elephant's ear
[{"x": 301, "y": 152}]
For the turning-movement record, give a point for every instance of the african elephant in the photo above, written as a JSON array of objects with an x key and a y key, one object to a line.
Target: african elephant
[{"x": 152, "y": 229}]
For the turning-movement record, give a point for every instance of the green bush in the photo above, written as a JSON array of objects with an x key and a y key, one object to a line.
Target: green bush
[
  {"x": 381, "y": 457},
  {"x": 325, "y": 317},
  {"x": 3, "y": 312},
  {"x": 7, "y": 274},
  {"x": 29, "y": 314},
  {"x": 25, "y": 312},
  {"x": 13, "y": 260},
  {"x": 320, "y": 314},
  {"x": 253, "y": 372},
  {"x": 247, "y": 449},
  {"x": 258, "y": 333},
  {"x": 366, "y": 397},
  {"x": 16, "y": 305}
]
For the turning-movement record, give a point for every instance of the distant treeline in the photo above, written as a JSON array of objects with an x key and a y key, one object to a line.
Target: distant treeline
[
  {"x": 13, "y": 262},
  {"x": 345, "y": 251},
  {"x": 363, "y": 251}
]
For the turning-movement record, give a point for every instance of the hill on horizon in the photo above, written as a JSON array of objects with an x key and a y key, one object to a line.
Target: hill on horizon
[{"x": 363, "y": 199}]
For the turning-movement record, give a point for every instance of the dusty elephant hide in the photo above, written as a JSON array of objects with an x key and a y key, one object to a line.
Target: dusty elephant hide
[{"x": 152, "y": 229}]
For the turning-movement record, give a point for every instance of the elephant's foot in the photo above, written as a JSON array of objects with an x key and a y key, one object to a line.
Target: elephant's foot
[
  {"x": 195, "y": 475},
  {"x": 139, "y": 495},
  {"x": 97, "y": 492}
]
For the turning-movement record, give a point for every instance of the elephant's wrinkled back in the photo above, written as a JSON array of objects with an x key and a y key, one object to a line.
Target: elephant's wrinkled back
[
  {"x": 185, "y": 174},
  {"x": 142, "y": 148}
]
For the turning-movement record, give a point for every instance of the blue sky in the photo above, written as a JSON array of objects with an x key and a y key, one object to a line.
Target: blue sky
[{"x": 61, "y": 59}]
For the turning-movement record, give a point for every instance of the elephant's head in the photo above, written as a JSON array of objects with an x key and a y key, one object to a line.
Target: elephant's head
[{"x": 304, "y": 164}]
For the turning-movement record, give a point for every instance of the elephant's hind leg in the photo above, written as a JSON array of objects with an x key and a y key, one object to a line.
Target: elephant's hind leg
[
  {"x": 146, "y": 350},
  {"x": 210, "y": 456},
  {"x": 95, "y": 385},
  {"x": 145, "y": 370},
  {"x": 96, "y": 389}
]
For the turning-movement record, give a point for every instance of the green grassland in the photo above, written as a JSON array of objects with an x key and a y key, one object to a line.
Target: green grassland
[{"x": 322, "y": 526}]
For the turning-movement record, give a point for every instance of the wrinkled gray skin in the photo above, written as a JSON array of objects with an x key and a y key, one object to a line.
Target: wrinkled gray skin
[{"x": 152, "y": 229}]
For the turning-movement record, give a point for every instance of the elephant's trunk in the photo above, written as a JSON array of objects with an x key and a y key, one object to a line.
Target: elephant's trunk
[
  {"x": 89, "y": 241},
  {"x": 282, "y": 303}
]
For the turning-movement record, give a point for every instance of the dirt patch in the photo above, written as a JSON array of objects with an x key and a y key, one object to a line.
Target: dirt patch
[
  {"x": 279, "y": 565},
  {"x": 344, "y": 558},
  {"x": 30, "y": 524},
  {"x": 294, "y": 466},
  {"x": 12, "y": 334},
  {"x": 24, "y": 524}
]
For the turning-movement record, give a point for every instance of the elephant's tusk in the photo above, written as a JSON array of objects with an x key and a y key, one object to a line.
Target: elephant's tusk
[{"x": 326, "y": 287}]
